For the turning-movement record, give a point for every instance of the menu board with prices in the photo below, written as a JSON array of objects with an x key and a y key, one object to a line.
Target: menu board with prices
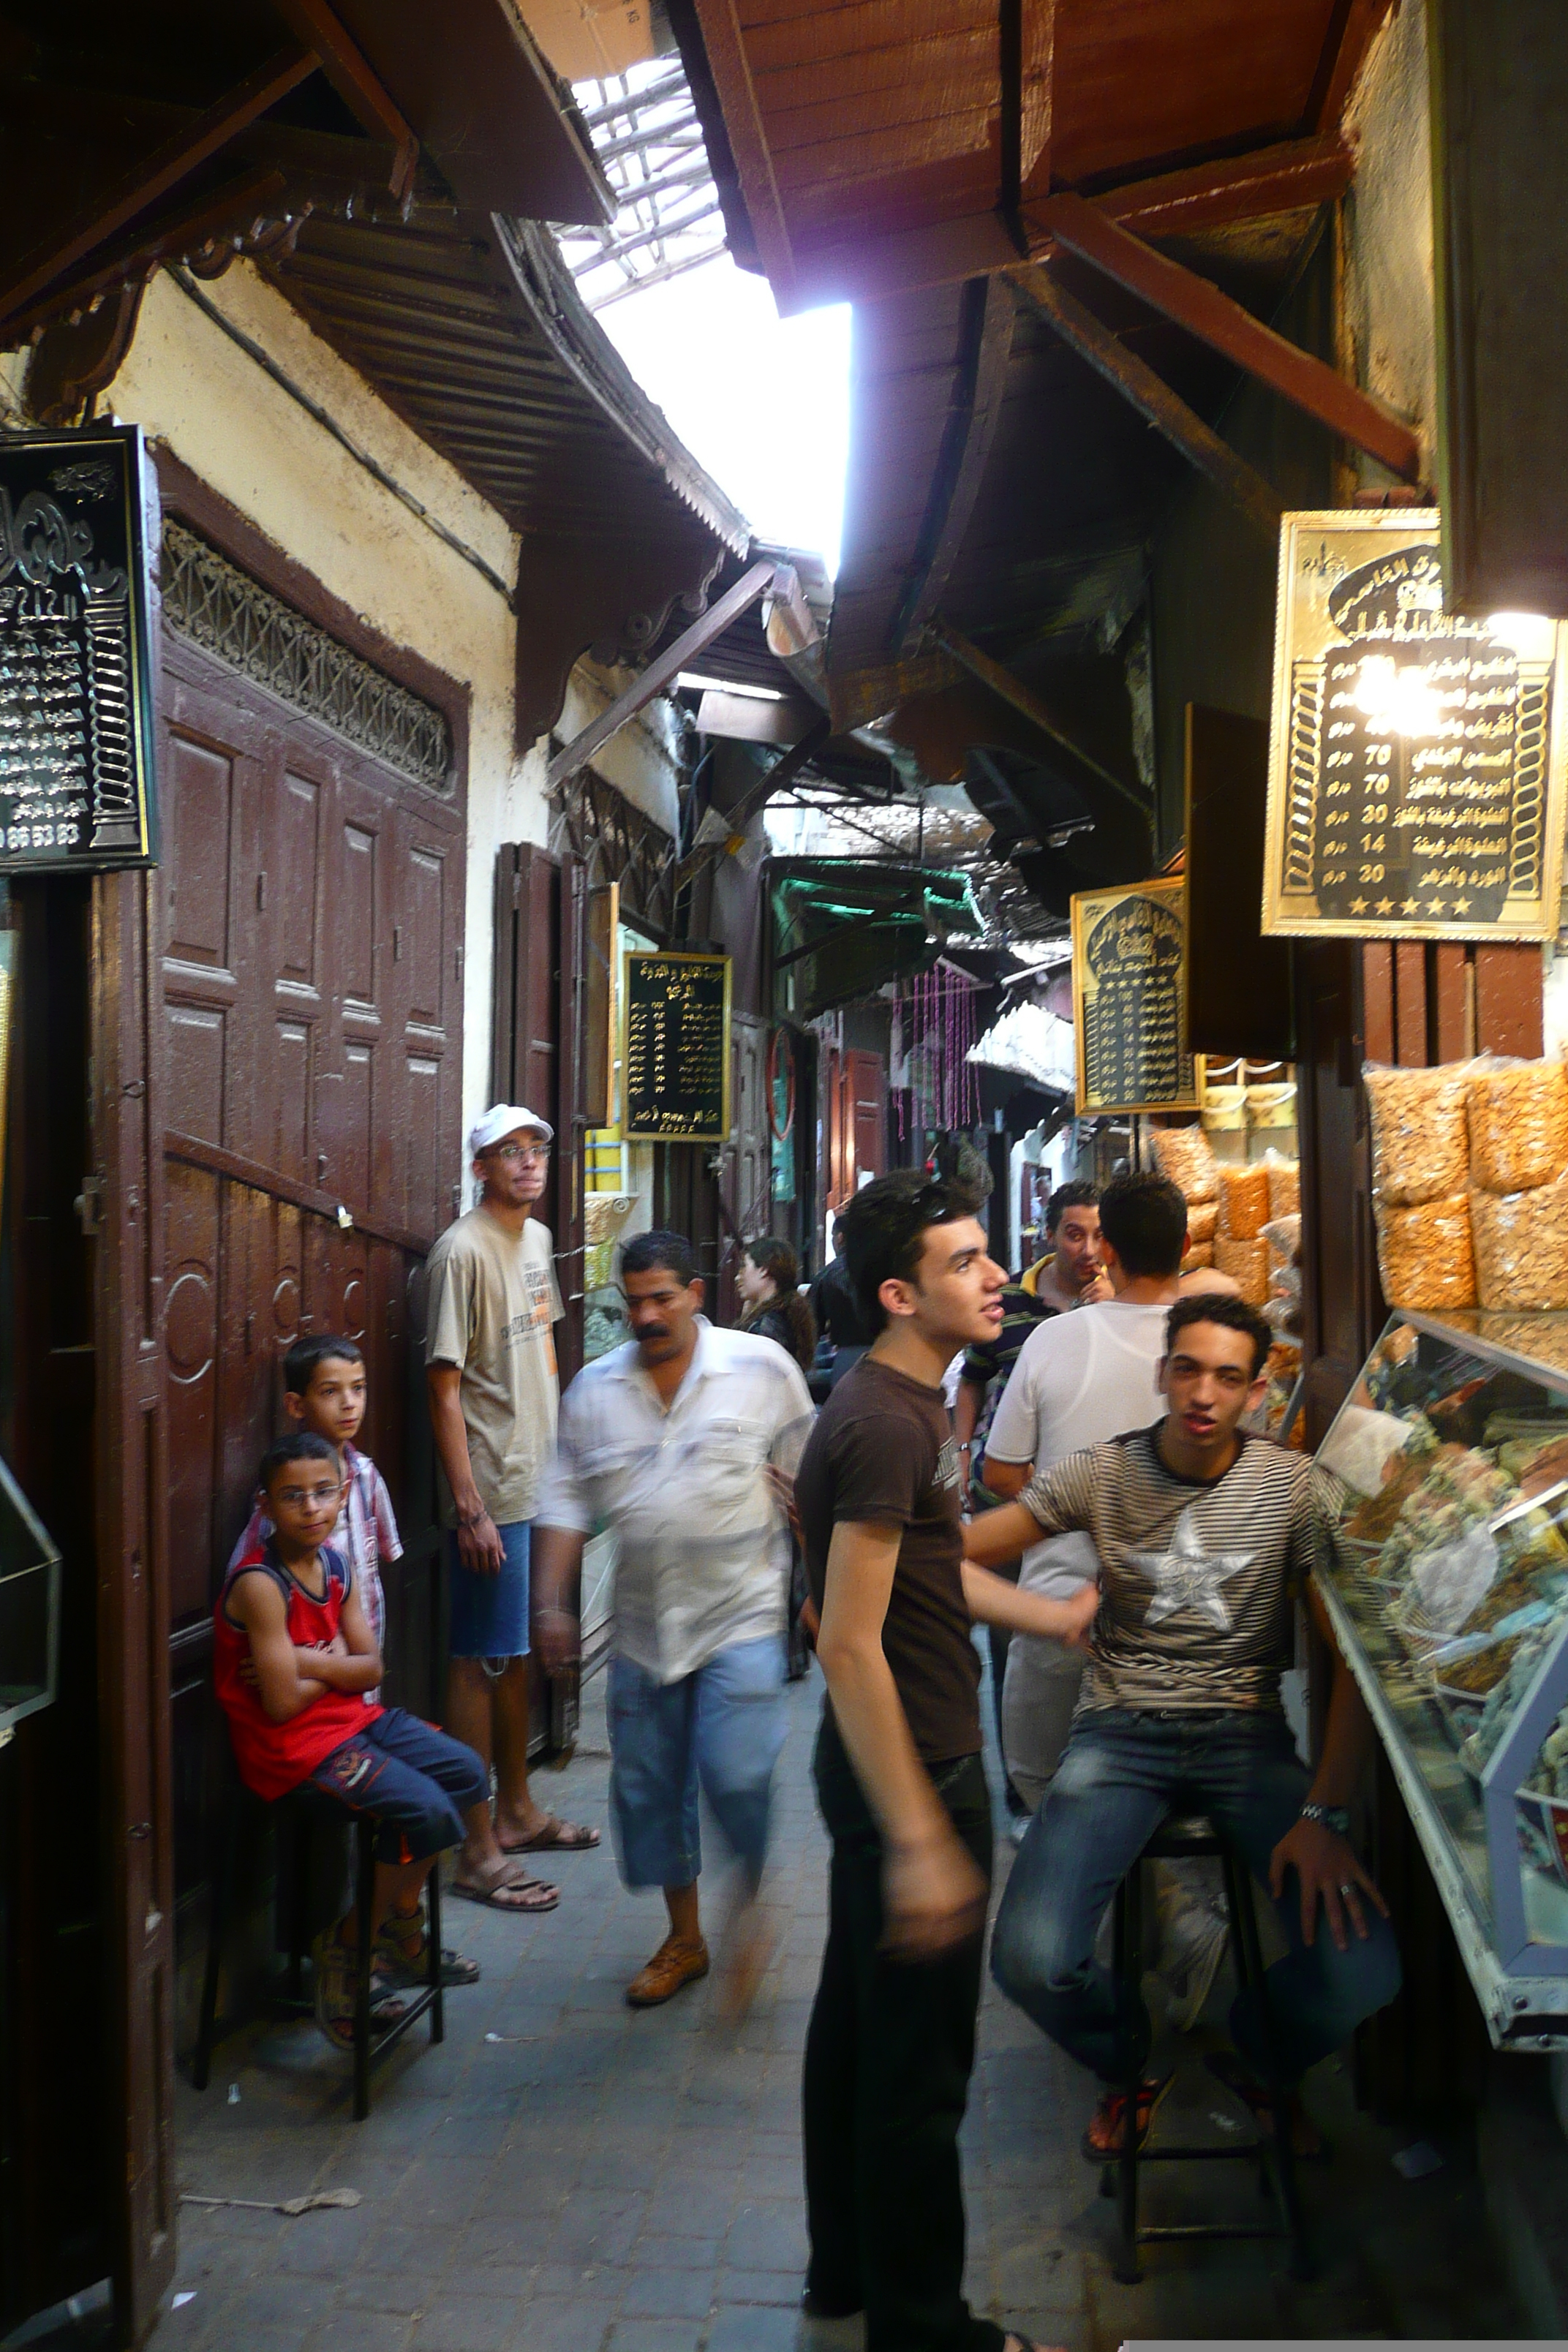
[
  {"x": 1128, "y": 954},
  {"x": 1416, "y": 760},
  {"x": 677, "y": 1060},
  {"x": 76, "y": 734}
]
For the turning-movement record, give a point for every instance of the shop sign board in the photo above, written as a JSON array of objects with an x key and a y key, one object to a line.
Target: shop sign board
[
  {"x": 1416, "y": 759},
  {"x": 1129, "y": 987},
  {"x": 677, "y": 1060},
  {"x": 77, "y": 790}
]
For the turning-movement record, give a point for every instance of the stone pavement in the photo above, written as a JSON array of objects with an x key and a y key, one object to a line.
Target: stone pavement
[{"x": 565, "y": 2176}]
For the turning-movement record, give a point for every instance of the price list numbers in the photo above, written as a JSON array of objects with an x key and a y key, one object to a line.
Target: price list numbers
[
  {"x": 45, "y": 790},
  {"x": 1133, "y": 1043},
  {"x": 677, "y": 1048},
  {"x": 1417, "y": 758},
  {"x": 1422, "y": 811}
]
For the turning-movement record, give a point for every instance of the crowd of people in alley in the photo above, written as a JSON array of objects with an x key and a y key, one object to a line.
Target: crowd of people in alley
[{"x": 1092, "y": 1495}]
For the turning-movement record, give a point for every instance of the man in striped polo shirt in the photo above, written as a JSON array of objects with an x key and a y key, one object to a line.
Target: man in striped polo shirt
[{"x": 1206, "y": 1536}]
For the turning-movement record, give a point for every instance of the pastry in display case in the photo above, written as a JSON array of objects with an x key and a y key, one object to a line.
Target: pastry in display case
[{"x": 1449, "y": 1590}]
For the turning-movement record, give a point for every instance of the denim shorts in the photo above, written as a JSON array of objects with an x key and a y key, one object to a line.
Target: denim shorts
[
  {"x": 489, "y": 1613},
  {"x": 414, "y": 1781}
]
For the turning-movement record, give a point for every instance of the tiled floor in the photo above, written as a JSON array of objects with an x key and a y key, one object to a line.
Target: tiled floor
[{"x": 565, "y": 2176}]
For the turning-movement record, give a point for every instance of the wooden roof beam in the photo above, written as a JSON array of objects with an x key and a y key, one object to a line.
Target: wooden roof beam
[
  {"x": 1290, "y": 177},
  {"x": 113, "y": 209},
  {"x": 359, "y": 88},
  {"x": 1151, "y": 397},
  {"x": 1201, "y": 309}
]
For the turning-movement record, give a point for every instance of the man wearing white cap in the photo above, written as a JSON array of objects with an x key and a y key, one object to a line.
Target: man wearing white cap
[{"x": 490, "y": 1360}]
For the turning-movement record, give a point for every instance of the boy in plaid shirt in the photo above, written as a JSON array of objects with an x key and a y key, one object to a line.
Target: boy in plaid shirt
[{"x": 324, "y": 1392}]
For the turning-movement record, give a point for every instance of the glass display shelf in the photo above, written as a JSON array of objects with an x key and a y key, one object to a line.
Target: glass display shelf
[{"x": 1449, "y": 1594}]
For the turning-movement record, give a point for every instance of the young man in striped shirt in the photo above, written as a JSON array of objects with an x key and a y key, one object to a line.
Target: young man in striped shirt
[{"x": 1206, "y": 1535}]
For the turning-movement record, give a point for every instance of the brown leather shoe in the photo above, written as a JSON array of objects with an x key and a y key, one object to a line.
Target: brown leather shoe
[{"x": 673, "y": 1965}]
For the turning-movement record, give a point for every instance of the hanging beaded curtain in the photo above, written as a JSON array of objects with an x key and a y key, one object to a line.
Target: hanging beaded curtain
[{"x": 940, "y": 1024}]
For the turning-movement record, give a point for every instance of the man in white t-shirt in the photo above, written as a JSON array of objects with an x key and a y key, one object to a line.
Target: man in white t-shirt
[{"x": 1081, "y": 1379}]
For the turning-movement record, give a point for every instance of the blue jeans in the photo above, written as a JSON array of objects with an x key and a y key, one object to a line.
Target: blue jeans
[
  {"x": 720, "y": 1728},
  {"x": 489, "y": 1613},
  {"x": 414, "y": 1781},
  {"x": 1121, "y": 1775}
]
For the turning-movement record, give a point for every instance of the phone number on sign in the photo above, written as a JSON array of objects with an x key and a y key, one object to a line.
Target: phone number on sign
[{"x": 41, "y": 836}]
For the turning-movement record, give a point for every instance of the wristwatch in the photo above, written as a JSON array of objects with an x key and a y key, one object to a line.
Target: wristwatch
[{"x": 1330, "y": 1817}]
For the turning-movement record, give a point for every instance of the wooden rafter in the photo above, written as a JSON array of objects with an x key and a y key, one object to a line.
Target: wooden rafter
[
  {"x": 1181, "y": 294},
  {"x": 1295, "y": 173},
  {"x": 226, "y": 212},
  {"x": 1356, "y": 21},
  {"x": 1151, "y": 396},
  {"x": 1026, "y": 33},
  {"x": 360, "y": 90},
  {"x": 1029, "y": 706},
  {"x": 115, "y": 207}
]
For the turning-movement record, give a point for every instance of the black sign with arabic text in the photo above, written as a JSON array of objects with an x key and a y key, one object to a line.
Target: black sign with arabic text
[
  {"x": 76, "y": 736},
  {"x": 676, "y": 1058}
]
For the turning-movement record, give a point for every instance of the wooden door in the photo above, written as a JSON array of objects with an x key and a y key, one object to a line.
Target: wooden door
[
  {"x": 540, "y": 975},
  {"x": 865, "y": 1117},
  {"x": 132, "y": 1532},
  {"x": 312, "y": 1006}
]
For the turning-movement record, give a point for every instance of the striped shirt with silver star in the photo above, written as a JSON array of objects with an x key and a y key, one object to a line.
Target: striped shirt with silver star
[{"x": 1198, "y": 1576}]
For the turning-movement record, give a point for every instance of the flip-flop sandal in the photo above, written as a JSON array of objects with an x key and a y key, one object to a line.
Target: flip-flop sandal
[
  {"x": 407, "y": 1961},
  {"x": 336, "y": 1974},
  {"x": 557, "y": 1837},
  {"x": 1113, "y": 2108},
  {"x": 492, "y": 1897}
]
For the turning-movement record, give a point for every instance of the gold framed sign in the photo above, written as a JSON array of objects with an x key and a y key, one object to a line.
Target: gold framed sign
[
  {"x": 676, "y": 1070},
  {"x": 1128, "y": 994},
  {"x": 1415, "y": 759}
]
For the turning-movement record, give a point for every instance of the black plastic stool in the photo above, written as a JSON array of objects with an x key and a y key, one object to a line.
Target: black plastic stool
[
  {"x": 300, "y": 1814},
  {"x": 1184, "y": 1840}
]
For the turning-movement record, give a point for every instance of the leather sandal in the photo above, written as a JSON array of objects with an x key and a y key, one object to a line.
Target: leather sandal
[{"x": 674, "y": 1964}]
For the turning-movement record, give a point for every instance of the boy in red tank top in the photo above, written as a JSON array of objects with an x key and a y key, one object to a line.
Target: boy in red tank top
[{"x": 293, "y": 1658}]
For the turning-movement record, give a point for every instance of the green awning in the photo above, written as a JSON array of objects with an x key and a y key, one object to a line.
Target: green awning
[{"x": 843, "y": 926}]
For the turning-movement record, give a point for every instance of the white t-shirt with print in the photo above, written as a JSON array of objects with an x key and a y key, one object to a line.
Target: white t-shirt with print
[{"x": 1079, "y": 1380}]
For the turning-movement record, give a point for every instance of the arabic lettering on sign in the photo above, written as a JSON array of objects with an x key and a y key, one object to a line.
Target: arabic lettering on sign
[
  {"x": 75, "y": 739},
  {"x": 1129, "y": 974},
  {"x": 676, "y": 1048},
  {"x": 1416, "y": 776}
]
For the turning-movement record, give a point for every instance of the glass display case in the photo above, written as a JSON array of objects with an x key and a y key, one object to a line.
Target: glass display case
[{"x": 1448, "y": 1592}]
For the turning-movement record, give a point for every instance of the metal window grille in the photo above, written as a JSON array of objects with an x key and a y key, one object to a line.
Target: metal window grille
[{"x": 217, "y": 606}]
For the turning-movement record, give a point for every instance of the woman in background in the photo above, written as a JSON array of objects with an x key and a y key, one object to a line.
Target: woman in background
[{"x": 769, "y": 1285}]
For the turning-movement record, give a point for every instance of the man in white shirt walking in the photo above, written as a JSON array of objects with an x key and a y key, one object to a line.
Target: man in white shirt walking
[
  {"x": 1081, "y": 1379},
  {"x": 673, "y": 1443}
]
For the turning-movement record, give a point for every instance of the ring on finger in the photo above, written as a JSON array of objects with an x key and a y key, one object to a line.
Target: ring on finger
[{"x": 1345, "y": 1886}]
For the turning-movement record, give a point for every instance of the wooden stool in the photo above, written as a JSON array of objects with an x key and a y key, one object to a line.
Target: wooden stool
[
  {"x": 1183, "y": 1839},
  {"x": 298, "y": 1815}
]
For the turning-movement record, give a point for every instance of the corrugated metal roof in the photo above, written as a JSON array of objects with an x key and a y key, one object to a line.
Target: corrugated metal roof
[{"x": 473, "y": 331}]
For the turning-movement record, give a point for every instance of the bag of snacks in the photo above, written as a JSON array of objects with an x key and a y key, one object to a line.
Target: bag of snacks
[
  {"x": 1202, "y": 1216},
  {"x": 1243, "y": 1201},
  {"x": 1184, "y": 1156},
  {"x": 1519, "y": 1125},
  {"x": 1420, "y": 1142},
  {"x": 1425, "y": 1254},
  {"x": 1283, "y": 1236},
  {"x": 1246, "y": 1263},
  {"x": 1284, "y": 1185},
  {"x": 1521, "y": 1247}
]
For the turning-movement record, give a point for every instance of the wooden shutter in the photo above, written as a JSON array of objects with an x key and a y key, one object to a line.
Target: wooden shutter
[
  {"x": 133, "y": 1587},
  {"x": 865, "y": 1085}
]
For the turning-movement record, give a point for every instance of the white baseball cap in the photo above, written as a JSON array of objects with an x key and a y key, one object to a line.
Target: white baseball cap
[{"x": 505, "y": 1118}]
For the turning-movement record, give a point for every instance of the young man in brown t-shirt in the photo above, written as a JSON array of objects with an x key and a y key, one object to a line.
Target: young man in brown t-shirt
[{"x": 900, "y": 1779}]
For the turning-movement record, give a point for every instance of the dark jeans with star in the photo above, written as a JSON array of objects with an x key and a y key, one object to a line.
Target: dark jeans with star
[
  {"x": 888, "y": 2059},
  {"x": 1121, "y": 1775}
]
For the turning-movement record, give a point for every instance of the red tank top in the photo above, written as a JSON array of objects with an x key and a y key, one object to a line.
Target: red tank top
[{"x": 273, "y": 1757}]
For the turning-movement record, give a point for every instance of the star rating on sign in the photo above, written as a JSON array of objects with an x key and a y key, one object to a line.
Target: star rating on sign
[
  {"x": 1187, "y": 1576},
  {"x": 1410, "y": 906},
  {"x": 1386, "y": 906},
  {"x": 1436, "y": 906},
  {"x": 1461, "y": 905},
  {"x": 1358, "y": 906}
]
